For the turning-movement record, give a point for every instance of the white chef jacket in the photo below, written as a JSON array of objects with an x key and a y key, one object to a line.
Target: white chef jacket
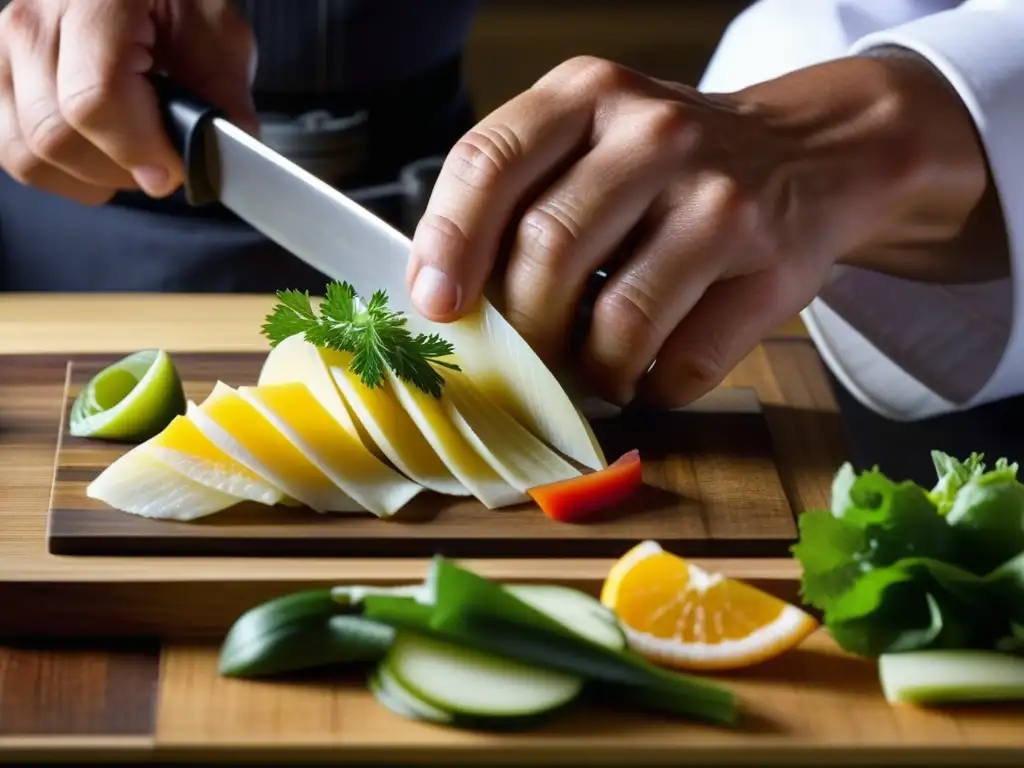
[{"x": 905, "y": 349}]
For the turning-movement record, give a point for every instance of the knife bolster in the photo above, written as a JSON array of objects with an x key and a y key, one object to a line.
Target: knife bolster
[{"x": 185, "y": 118}]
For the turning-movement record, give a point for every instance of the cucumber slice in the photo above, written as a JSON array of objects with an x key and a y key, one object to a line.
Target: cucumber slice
[
  {"x": 394, "y": 696},
  {"x": 476, "y": 685},
  {"x": 933, "y": 677},
  {"x": 577, "y": 611}
]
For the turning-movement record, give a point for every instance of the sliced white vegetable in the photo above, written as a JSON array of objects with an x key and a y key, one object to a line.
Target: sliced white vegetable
[
  {"x": 218, "y": 477},
  {"x": 238, "y": 429},
  {"x": 390, "y": 428},
  {"x": 295, "y": 413},
  {"x": 510, "y": 374},
  {"x": 433, "y": 416},
  {"x": 575, "y": 610},
  {"x": 474, "y": 684},
  {"x": 141, "y": 484},
  {"x": 935, "y": 677},
  {"x": 511, "y": 450},
  {"x": 186, "y": 450}
]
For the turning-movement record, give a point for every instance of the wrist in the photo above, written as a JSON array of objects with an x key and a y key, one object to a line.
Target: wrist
[{"x": 885, "y": 168}]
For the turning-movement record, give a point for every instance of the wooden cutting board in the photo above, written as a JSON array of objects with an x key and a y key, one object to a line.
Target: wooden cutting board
[{"x": 711, "y": 489}]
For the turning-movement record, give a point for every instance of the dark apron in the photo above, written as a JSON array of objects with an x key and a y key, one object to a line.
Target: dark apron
[
  {"x": 384, "y": 80},
  {"x": 903, "y": 450}
]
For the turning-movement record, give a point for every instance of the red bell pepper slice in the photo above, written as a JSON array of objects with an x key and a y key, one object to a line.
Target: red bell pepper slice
[{"x": 578, "y": 499}]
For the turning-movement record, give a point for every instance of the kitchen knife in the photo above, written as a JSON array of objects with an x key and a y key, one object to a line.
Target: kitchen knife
[
  {"x": 344, "y": 241},
  {"x": 304, "y": 215}
]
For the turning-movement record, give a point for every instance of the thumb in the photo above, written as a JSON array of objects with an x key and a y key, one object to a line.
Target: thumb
[{"x": 210, "y": 50}]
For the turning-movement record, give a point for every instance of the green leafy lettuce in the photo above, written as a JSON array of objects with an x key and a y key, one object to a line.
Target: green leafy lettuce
[{"x": 895, "y": 567}]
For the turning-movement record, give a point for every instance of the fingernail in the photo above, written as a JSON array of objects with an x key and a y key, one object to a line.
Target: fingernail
[
  {"x": 434, "y": 293},
  {"x": 151, "y": 178}
]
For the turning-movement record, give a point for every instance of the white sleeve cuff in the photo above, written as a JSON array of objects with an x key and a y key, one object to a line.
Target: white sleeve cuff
[{"x": 922, "y": 350}]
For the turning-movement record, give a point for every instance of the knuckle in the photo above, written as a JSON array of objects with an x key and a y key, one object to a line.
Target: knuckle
[
  {"x": 49, "y": 136},
  {"x": 586, "y": 73},
  {"x": 20, "y": 19},
  {"x": 483, "y": 155},
  {"x": 600, "y": 75},
  {"x": 450, "y": 235},
  {"x": 727, "y": 201},
  {"x": 628, "y": 313},
  {"x": 546, "y": 238},
  {"x": 707, "y": 364},
  {"x": 85, "y": 106},
  {"x": 670, "y": 123}
]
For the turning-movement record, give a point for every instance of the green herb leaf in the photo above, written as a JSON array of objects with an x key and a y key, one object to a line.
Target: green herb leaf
[
  {"x": 293, "y": 315},
  {"x": 376, "y": 336}
]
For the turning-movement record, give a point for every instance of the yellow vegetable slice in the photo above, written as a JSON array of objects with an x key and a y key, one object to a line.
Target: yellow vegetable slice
[
  {"x": 296, "y": 360},
  {"x": 241, "y": 431},
  {"x": 391, "y": 427},
  {"x": 341, "y": 456},
  {"x": 434, "y": 418},
  {"x": 141, "y": 484},
  {"x": 184, "y": 448},
  {"x": 510, "y": 449}
]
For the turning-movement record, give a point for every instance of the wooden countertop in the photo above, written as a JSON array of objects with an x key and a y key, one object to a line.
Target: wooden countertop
[{"x": 141, "y": 699}]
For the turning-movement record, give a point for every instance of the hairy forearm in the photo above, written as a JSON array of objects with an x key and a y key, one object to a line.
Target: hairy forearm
[{"x": 887, "y": 166}]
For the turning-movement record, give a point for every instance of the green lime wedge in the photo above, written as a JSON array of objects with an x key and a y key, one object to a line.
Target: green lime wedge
[{"x": 132, "y": 400}]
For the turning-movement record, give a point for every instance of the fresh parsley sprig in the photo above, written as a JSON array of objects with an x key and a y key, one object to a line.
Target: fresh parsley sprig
[{"x": 375, "y": 335}]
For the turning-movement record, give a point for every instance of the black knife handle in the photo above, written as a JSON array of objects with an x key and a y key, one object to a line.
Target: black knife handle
[{"x": 184, "y": 117}]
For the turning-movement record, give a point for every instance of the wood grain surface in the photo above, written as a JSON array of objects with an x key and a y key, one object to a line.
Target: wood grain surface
[
  {"x": 711, "y": 489},
  {"x": 175, "y": 597},
  {"x": 812, "y": 706},
  {"x": 113, "y": 701}
]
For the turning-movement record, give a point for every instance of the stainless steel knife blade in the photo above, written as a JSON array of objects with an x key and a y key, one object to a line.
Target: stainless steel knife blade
[{"x": 304, "y": 215}]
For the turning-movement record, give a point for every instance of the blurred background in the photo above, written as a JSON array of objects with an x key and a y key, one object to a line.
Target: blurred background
[{"x": 514, "y": 42}]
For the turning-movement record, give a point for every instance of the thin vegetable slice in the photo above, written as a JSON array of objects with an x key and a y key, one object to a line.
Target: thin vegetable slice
[
  {"x": 388, "y": 425},
  {"x": 186, "y": 450},
  {"x": 241, "y": 431},
  {"x": 433, "y": 416},
  {"x": 131, "y": 400},
  {"x": 954, "y": 676},
  {"x": 579, "y": 499},
  {"x": 577, "y": 611},
  {"x": 511, "y": 375},
  {"x": 342, "y": 457},
  {"x": 396, "y": 697},
  {"x": 476, "y": 684},
  {"x": 141, "y": 484},
  {"x": 511, "y": 450}
]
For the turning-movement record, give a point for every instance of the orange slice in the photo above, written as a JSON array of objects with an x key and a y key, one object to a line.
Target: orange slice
[{"x": 679, "y": 615}]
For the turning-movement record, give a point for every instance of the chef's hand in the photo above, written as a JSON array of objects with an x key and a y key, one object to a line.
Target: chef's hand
[
  {"x": 78, "y": 116},
  {"x": 717, "y": 217}
]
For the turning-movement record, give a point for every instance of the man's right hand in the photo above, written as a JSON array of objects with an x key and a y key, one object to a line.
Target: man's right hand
[{"x": 78, "y": 116}]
